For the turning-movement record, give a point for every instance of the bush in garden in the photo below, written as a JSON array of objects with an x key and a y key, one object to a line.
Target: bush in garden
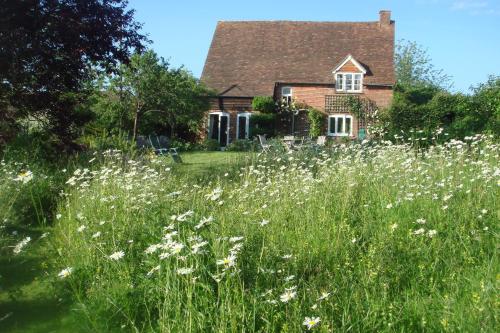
[
  {"x": 263, "y": 123},
  {"x": 264, "y": 104}
]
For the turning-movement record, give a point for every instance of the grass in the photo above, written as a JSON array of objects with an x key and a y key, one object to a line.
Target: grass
[
  {"x": 27, "y": 299},
  {"x": 351, "y": 239},
  {"x": 202, "y": 166},
  {"x": 357, "y": 238}
]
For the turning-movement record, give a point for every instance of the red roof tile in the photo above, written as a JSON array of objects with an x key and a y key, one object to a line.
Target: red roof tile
[{"x": 247, "y": 58}]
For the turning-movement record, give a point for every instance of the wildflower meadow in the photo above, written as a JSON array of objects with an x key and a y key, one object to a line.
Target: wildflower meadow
[{"x": 361, "y": 237}]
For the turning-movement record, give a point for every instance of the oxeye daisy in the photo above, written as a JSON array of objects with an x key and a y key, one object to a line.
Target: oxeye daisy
[
  {"x": 65, "y": 272},
  {"x": 117, "y": 255},
  {"x": 288, "y": 295},
  {"x": 24, "y": 177},
  {"x": 310, "y": 322}
]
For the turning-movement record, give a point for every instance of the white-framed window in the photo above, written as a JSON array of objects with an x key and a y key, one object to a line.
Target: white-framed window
[
  {"x": 340, "y": 125},
  {"x": 349, "y": 82},
  {"x": 286, "y": 95},
  {"x": 243, "y": 125}
]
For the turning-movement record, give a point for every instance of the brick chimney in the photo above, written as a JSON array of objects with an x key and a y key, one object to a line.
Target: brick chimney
[{"x": 385, "y": 17}]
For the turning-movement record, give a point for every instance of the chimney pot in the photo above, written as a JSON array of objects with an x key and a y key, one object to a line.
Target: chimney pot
[{"x": 385, "y": 17}]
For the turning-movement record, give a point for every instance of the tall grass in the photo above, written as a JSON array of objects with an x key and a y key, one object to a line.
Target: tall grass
[{"x": 357, "y": 238}]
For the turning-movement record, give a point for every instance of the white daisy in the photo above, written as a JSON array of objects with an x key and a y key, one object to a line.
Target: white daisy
[
  {"x": 310, "y": 322},
  {"x": 117, "y": 255},
  {"x": 65, "y": 272}
]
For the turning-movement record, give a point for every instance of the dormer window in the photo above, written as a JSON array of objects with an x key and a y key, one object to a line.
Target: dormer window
[
  {"x": 349, "y": 75},
  {"x": 286, "y": 95},
  {"x": 349, "y": 82}
]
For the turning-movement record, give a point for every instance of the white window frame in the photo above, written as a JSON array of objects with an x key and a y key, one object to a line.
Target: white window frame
[
  {"x": 288, "y": 97},
  {"x": 247, "y": 127},
  {"x": 343, "y": 87},
  {"x": 333, "y": 132},
  {"x": 220, "y": 114}
]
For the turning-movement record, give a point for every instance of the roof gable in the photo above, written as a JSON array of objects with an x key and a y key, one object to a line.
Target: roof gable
[
  {"x": 347, "y": 64},
  {"x": 251, "y": 56}
]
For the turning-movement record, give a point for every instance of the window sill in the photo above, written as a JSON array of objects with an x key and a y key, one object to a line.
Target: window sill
[
  {"x": 339, "y": 135},
  {"x": 350, "y": 91}
]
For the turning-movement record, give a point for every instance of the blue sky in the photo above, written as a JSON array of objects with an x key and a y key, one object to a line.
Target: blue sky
[{"x": 462, "y": 36}]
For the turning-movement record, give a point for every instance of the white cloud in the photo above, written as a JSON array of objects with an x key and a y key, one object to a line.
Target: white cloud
[
  {"x": 475, "y": 7},
  {"x": 469, "y": 4}
]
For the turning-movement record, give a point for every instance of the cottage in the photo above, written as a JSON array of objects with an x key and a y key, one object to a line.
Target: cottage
[{"x": 318, "y": 64}]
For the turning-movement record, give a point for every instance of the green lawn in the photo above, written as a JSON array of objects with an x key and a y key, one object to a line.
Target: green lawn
[{"x": 209, "y": 165}]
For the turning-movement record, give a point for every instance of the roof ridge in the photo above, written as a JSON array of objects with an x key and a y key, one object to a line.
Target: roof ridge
[{"x": 293, "y": 21}]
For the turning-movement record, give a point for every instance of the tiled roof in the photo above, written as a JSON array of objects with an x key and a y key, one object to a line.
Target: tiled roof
[{"x": 247, "y": 58}]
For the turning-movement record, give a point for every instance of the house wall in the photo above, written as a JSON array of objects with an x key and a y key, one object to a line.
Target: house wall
[
  {"x": 232, "y": 106},
  {"x": 314, "y": 95}
]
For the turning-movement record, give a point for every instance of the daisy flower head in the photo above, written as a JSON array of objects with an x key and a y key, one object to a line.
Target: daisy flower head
[
  {"x": 288, "y": 295},
  {"x": 65, "y": 272},
  {"x": 324, "y": 295},
  {"x": 310, "y": 322},
  {"x": 185, "y": 270},
  {"x": 24, "y": 177},
  {"x": 229, "y": 261},
  {"x": 117, "y": 255}
]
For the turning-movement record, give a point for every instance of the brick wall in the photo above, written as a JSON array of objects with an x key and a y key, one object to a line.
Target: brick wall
[
  {"x": 314, "y": 95},
  {"x": 230, "y": 105}
]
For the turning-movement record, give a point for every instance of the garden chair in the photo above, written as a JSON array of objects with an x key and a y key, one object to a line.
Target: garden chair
[
  {"x": 161, "y": 146},
  {"x": 321, "y": 141},
  {"x": 266, "y": 147},
  {"x": 142, "y": 142},
  {"x": 289, "y": 141}
]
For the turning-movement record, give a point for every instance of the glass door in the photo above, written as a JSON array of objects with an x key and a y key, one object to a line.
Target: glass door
[{"x": 218, "y": 127}]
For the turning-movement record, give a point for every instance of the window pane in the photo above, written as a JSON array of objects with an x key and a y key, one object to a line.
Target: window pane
[
  {"x": 348, "y": 125},
  {"x": 340, "y": 125},
  {"x": 348, "y": 81},
  {"x": 357, "y": 82},
  {"x": 214, "y": 126},
  {"x": 331, "y": 128},
  {"x": 242, "y": 127},
  {"x": 286, "y": 91},
  {"x": 339, "y": 82}
]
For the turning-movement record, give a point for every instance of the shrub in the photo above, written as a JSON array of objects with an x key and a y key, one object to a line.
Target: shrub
[
  {"x": 316, "y": 121},
  {"x": 210, "y": 145},
  {"x": 242, "y": 145},
  {"x": 263, "y": 123},
  {"x": 264, "y": 104}
]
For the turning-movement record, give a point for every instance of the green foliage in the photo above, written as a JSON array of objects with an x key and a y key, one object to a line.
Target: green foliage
[
  {"x": 371, "y": 256},
  {"x": 316, "y": 121},
  {"x": 104, "y": 141},
  {"x": 483, "y": 111},
  {"x": 147, "y": 96},
  {"x": 46, "y": 57},
  {"x": 413, "y": 67},
  {"x": 264, "y": 104},
  {"x": 242, "y": 145},
  {"x": 410, "y": 108},
  {"x": 263, "y": 123},
  {"x": 210, "y": 145},
  {"x": 427, "y": 108}
]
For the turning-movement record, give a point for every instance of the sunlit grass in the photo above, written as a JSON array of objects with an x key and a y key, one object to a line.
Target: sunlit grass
[{"x": 355, "y": 238}]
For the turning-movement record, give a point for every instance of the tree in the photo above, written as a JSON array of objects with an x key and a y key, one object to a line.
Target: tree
[
  {"x": 153, "y": 96},
  {"x": 264, "y": 104},
  {"x": 46, "y": 51},
  {"x": 414, "y": 67}
]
